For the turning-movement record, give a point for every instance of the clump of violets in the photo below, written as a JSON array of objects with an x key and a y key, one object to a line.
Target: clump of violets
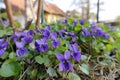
[
  {"x": 21, "y": 38},
  {"x": 64, "y": 64},
  {"x": 3, "y": 45},
  {"x": 55, "y": 41},
  {"x": 76, "y": 54},
  {"x": 41, "y": 45},
  {"x": 95, "y": 31},
  {"x": 46, "y": 31},
  {"x": 21, "y": 50}
]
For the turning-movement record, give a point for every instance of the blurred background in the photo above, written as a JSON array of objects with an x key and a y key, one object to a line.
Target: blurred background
[{"x": 103, "y": 11}]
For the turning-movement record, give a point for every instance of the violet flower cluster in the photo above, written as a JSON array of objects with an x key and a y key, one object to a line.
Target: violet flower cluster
[
  {"x": 75, "y": 22},
  {"x": 95, "y": 31},
  {"x": 21, "y": 38},
  {"x": 41, "y": 44},
  {"x": 65, "y": 64}
]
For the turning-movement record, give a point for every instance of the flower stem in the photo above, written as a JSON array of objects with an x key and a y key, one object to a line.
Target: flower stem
[{"x": 23, "y": 74}]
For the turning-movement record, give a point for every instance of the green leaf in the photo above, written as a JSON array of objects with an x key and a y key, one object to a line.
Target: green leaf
[
  {"x": 39, "y": 59},
  {"x": 105, "y": 62},
  {"x": 10, "y": 68},
  {"x": 73, "y": 76},
  {"x": 2, "y": 33},
  {"x": 84, "y": 58},
  {"x": 31, "y": 27},
  {"x": 82, "y": 38},
  {"x": 109, "y": 47},
  {"x": 77, "y": 29},
  {"x": 52, "y": 72},
  {"x": 12, "y": 55},
  {"x": 84, "y": 68},
  {"x": 42, "y": 60},
  {"x": 34, "y": 72},
  {"x": 46, "y": 60},
  {"x": 5, "y": 55},
  {"x": 8, "y": 31}
]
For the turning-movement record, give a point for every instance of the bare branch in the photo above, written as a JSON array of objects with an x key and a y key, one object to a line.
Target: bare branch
[
  {"x": 9, "y": 12},
  {"x": 38, "y": 13}
]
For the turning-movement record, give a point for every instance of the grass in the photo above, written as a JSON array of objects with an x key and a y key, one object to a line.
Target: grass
[{"x": 3, "y": 15}]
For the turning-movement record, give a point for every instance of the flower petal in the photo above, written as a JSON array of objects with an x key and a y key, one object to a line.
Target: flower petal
[
  {"x": 1, "y": 40},
  {"x": 60, "y": 57},
  {"x": 67, "y": 55},
  {"x": 82, "y": 22},
  {"x": 2, "y": 51},
  {"x": 61, "y": 66},
  {"x": 75, "y": 47},
  {"x": 21, "y": 52},
  {"x": 19, "y": 44},
  {"x": 54, "y": 36},
  {"x": 70, "y": 66},
  {"x": 77, "y": 55}
]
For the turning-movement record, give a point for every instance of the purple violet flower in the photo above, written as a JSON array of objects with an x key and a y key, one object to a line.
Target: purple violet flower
[
  {"x": 41, "y": 45},
  {"x": 21, "y": 51},
  {"x": 75, "y": 22},
  {"x": 74, "y": 47},
  {"x": 82, "y": 22},
  {"x": 76, "y": 55},
  {"x": 55, "y": 43},
  {"x": 97, "y": 31},
  {"x": 3, "y": 46},
  {"x": 64, "y": 21},
  {"x": 54, "y": 36},
  {"x": 71, "y": 34},
  {"x": 111, "y": 27},
  {"x": 20, "y": 48},
  {"x": 106, "y": 36},
  {"x": 31, "y": 32},
  {"x": 20, "y": 44},
  {"x": 72, "y": 41},
  {"x": 64, "y": 65},
  {"x": 5, "y": 22},
  {"x": 85, "y": 32},
  {"x": 62, "y": 33}
]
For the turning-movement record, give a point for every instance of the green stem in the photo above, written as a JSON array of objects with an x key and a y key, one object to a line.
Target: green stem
[{"x": 23, "y": 74}]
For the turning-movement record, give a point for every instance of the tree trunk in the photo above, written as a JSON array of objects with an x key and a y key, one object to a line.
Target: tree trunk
[
  {"x": 39, "y": 13},
  {"x": 88, "y": 9},
  {"x": 9, "y": 12},
  {"x": 98, "y": 8}
]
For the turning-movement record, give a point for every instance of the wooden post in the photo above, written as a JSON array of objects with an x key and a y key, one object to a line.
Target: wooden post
[
  {"x": 38, "y": 13},
  {"x": 9, "y": 12}
]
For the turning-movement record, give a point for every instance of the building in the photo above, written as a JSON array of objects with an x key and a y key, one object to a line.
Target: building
[{"x": 51, "y": 12}]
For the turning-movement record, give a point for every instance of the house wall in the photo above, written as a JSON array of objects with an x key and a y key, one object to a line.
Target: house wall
[{"x": 51, "y": 17}]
